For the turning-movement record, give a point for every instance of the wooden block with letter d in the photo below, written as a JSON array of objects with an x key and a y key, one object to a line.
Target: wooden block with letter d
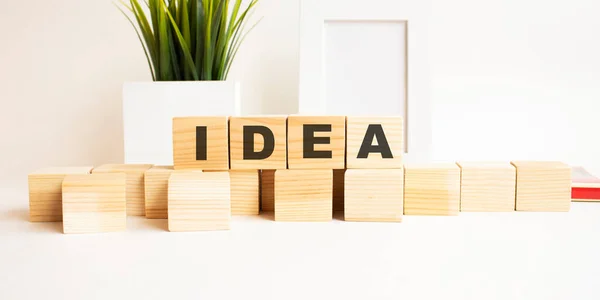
[
  {"x": 156, "y": 186},
  {"x": 543, "y": 186},
  {"x": 316, "y": 142},
  {"x": 199, "y": 201},
  {"x": 375, "y": 195},
  {"x": 487, "y": 186},
  {"x": 258, "y": 142},
  {"x": 136, "y": 205},
  {"x": 432, "y": 189},
  {"x": 374, "y": 142},
  {"x": 201, "y": 143},
  {"x": 45, "y": 192},
  {"x": 303, "y": 195},
  {"x": 94, "y": 203}
]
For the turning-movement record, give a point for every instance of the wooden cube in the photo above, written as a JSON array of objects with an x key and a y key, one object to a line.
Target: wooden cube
[
  {"x": 432, "y": 189},
  {"x": 316, "y": 142},
  {"x": 487, "y": 186},
  {"x": 267, "y": 190},
  {"x": 303, "y": 195},
  {"x": 135, "y": 184},
  {"x": 375, "y": 195},
  {"x": 199, "y": 201},
  {"x": 45, "y": 192},
  {"x": 338, "y": 190},
  {"x": 374, "y": 142},
  {"x": 258, "y": 142},
  {"x": 156, "y": 186},
  {"x": 94, "y": 203},
  {"x": 201, "y": 143},
  {"x": 244, "y": 192},
  {"x": 543, "y": 186}
]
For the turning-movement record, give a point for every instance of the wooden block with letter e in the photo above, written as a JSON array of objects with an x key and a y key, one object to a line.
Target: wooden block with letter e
[
  {"x": 316, "y": 142},
  {"x": 374, "y": 142},
  {"x": 45, "y": 192},
  {"x": 487, "y": 186},
  {"x": 375, "y": 195},
  {"x": 201, "y": 143},
  {"x": 258, "y": 142},
  {"x": 267, "y": 190},
  {"x": 303, "y": 195},
  {"x": 94, "y": 203},
  {"x": 199, "y": 201},
  {"x": 244, "y": 191},
  {"x": 432, "y": 189},
  {"x": 543, "y": 186},
  {"x": 136, "y": 205},
  {"x": 156, "y": 186}
]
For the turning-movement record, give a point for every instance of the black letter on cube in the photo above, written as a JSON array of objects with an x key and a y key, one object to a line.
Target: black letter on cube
[
  {"x": 200, "y": 142},
  {"x": 367, "y": 145},
  {"x": 309, "y": 141},
  {"x": 269, "y": 144}
]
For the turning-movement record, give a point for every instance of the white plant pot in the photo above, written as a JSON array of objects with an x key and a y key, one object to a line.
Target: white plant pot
[{"x": 149, "y": 109}]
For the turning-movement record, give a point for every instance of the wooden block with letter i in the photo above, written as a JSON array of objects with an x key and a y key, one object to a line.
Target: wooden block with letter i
[
  {"x": 199, "y": 201},
  {"x": 267, "y": 190},
  {"x": 136, "y": 205},
  {"x": 303, "y": 195},
  {"x": 201, "y": 143},
  {"x": 258, "y": 142},
  {"x": 432, "y": 189},
  {"x": 45, "y": 192},
  {"x": 543, "y": 186},
  {"x": 487, "y": 186},
  {"x": 374, "y": 142},
  {"x": 375, "y": 195},
  {"x": 316, "y": 142},
  {"x": 94, "y": 203},
  {"x": 156, "y": 183}
]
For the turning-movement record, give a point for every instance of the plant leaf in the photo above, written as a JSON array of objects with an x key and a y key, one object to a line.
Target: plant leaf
[
  {"x": 186, "y": 50},
  {"x": 141, "y": 42}
]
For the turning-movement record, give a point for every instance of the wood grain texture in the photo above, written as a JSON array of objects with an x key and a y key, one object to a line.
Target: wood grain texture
[
  {"x": 487, "y": 186},
  {"x": 303, "y": 195},
  {"x": 356, "y": 128},
  {"x": 94, "y": 203},
  {"x": 267, "y": 192},
  {"x": 217, "y": 143},
  {"x": 45, "y": 192},
  {"x": 432, "y": 189},
  {"x": 374, "y": 195},
  {"x": 199, "y": 201},
  {"x": 337, "y": 142},
  {"x": 156, "y": 187},
  {"x": 136, "y": 205},
  {"x": 543, "y": 186},
  {"x": 244, "y": 192},
  {"x": 338, "y": 190},
  {"x": 277, "y": 125}
]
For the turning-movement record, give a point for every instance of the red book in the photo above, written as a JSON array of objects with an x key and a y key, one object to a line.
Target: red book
[{"x": 585, "y": 187}]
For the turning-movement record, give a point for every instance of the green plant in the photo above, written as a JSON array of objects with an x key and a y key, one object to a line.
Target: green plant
[{"x": 189, "y": 39}]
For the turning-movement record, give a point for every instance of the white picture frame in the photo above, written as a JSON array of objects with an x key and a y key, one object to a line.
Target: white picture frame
[{"x": 315, "y": 14}]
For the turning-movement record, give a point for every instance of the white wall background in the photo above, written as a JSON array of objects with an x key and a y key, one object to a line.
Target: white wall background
[{"x": 513, "y": 79}]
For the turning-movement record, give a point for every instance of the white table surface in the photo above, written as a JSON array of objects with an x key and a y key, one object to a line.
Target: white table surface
[{"x": 472, "y": 256}]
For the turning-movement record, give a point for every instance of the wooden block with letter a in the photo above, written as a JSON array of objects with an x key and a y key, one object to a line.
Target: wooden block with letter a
[
  {"x": 543, "y": 186},
  {"x": 201, "y": 143},
  {"x": 585, "y": 187},
  {"x": 432, "y": 189},
  {"x": 94, "y": 203},
  {"x": 199, "y": 201},
  {"x": 303, "y": 195},
  {"x": 258, "y": 142},
  {"x": 316, "y": 142},
  {"x": 267, "y": 190},
  {"x": 45, "y": 192},
  {"x": 375, "y": 195},
  {"x": 487, "y": 186},
  {"x": 156, "y": 186},
  {"x": 136, "y": 205},
  {"x": 374, "y": 142}
]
